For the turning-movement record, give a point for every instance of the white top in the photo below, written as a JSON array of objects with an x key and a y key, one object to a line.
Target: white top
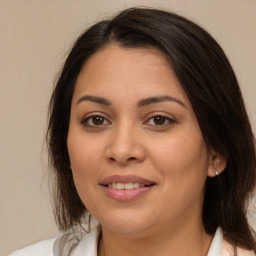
[{"x": 88, "y": 247}]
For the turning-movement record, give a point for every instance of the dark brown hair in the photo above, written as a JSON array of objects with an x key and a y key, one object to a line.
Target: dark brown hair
[{"x": 212, "y": 88}]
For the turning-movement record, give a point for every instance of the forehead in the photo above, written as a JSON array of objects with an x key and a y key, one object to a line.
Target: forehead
[
  {"x": 113, "y": 56},
  {"x": 131, "y": 71}
]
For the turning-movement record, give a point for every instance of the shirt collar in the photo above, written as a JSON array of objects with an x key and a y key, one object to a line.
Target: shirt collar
[
  {"x": 89, "y": 244},
  {"x": 216, "y": 245}
]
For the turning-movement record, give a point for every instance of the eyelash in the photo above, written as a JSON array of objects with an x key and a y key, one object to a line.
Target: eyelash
[
  {"x": 95, "y": 115},
  {"x": 90, "y": 117},
  {"x": 166, "y": 119}
]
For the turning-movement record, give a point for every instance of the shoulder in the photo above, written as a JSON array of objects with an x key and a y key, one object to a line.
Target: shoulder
[
  {"x": 228, "y": 250},
  {"x": 42, "y": 248}
]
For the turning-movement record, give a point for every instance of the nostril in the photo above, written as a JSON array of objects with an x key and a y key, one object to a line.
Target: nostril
[
  {"x": 112, "y": 159},
  {"x": 123, "y": 161},
  {"x": 130, "y": 158}
]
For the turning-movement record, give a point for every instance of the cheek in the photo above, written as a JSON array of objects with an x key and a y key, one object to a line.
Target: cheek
[
  {"x": 182, "y": 163},
  {"x": 182, "y": 158},
  {"x": 84, "y": 157},
  {"x": 84, "y": 153}
]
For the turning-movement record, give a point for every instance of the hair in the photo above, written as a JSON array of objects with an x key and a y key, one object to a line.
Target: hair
[{"x": 208, "y": 79}]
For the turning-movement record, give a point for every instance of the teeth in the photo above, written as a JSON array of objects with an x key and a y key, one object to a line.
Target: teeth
[
  {"x": 137, "y": 185},
  {"x": 119, "y": 185},
  {"x": 126, "y": 186}
]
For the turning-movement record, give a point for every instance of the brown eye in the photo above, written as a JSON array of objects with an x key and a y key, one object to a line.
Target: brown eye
[
  {"x": 160, "y": 120},
  {"x": 95, "y": 120}
]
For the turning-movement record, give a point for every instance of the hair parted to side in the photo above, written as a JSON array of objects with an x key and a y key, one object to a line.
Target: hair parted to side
[{"x": 212, "y": 88}]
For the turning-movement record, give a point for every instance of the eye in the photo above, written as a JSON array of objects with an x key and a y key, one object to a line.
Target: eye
[
  {"x": 160, "y": 120},
  {"x": 95, "y": 120}
]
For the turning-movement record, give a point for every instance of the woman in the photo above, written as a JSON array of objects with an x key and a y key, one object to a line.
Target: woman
[{"x": 148, "y": 133}]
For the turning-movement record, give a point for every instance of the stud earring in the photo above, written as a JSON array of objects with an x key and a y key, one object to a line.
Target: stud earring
[{"x": 215, "y": 171}]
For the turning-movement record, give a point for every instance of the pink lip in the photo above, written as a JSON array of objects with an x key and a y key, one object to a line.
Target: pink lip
[
  {"x": 122, "y": 194},
  {"x": 126, "y": 179}
]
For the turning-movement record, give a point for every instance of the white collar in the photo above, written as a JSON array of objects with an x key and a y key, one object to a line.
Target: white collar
[
  {"x": 216, "y": 245},
  {"x": 89, "y": 244}
]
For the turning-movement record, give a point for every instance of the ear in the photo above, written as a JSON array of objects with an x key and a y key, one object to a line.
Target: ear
[{"x": 216, "y": 163}]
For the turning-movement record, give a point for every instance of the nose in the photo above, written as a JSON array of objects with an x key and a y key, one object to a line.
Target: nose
[{"x": 125, "y": 146}]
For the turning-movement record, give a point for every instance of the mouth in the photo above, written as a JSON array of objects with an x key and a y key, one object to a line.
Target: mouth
[
  {"x": 126, "y": 188},
  {"x": 126, "y": 182}
]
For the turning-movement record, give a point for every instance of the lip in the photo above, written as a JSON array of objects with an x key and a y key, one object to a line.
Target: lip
[
  {"x": 126, "y": 179},
  {"x": 123, "y": 195}
]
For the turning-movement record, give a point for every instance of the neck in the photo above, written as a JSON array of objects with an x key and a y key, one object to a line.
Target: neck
[{"x": 178, "y": 241}]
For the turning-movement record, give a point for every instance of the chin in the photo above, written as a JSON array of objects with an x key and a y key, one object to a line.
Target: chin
[{"x": 126, "y": 224}]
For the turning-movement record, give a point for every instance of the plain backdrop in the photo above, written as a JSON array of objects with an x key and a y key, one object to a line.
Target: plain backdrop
[{"x": 35, "y": 36}]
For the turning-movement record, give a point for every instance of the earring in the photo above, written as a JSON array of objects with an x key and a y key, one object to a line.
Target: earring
[{"x": 215, "y": 171}]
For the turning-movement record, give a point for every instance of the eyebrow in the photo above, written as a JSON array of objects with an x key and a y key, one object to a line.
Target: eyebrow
[
  {"x": 151, "y": 100},
  {"x": 95, "y": 99},
  {"x": 141, "y": 103}
]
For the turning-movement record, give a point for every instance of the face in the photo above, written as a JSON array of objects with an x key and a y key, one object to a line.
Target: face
[{"x": 138, "y": 158}]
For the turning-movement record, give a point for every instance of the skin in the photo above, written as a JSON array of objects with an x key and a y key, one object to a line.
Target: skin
[{"x": 127, "y": 139}]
